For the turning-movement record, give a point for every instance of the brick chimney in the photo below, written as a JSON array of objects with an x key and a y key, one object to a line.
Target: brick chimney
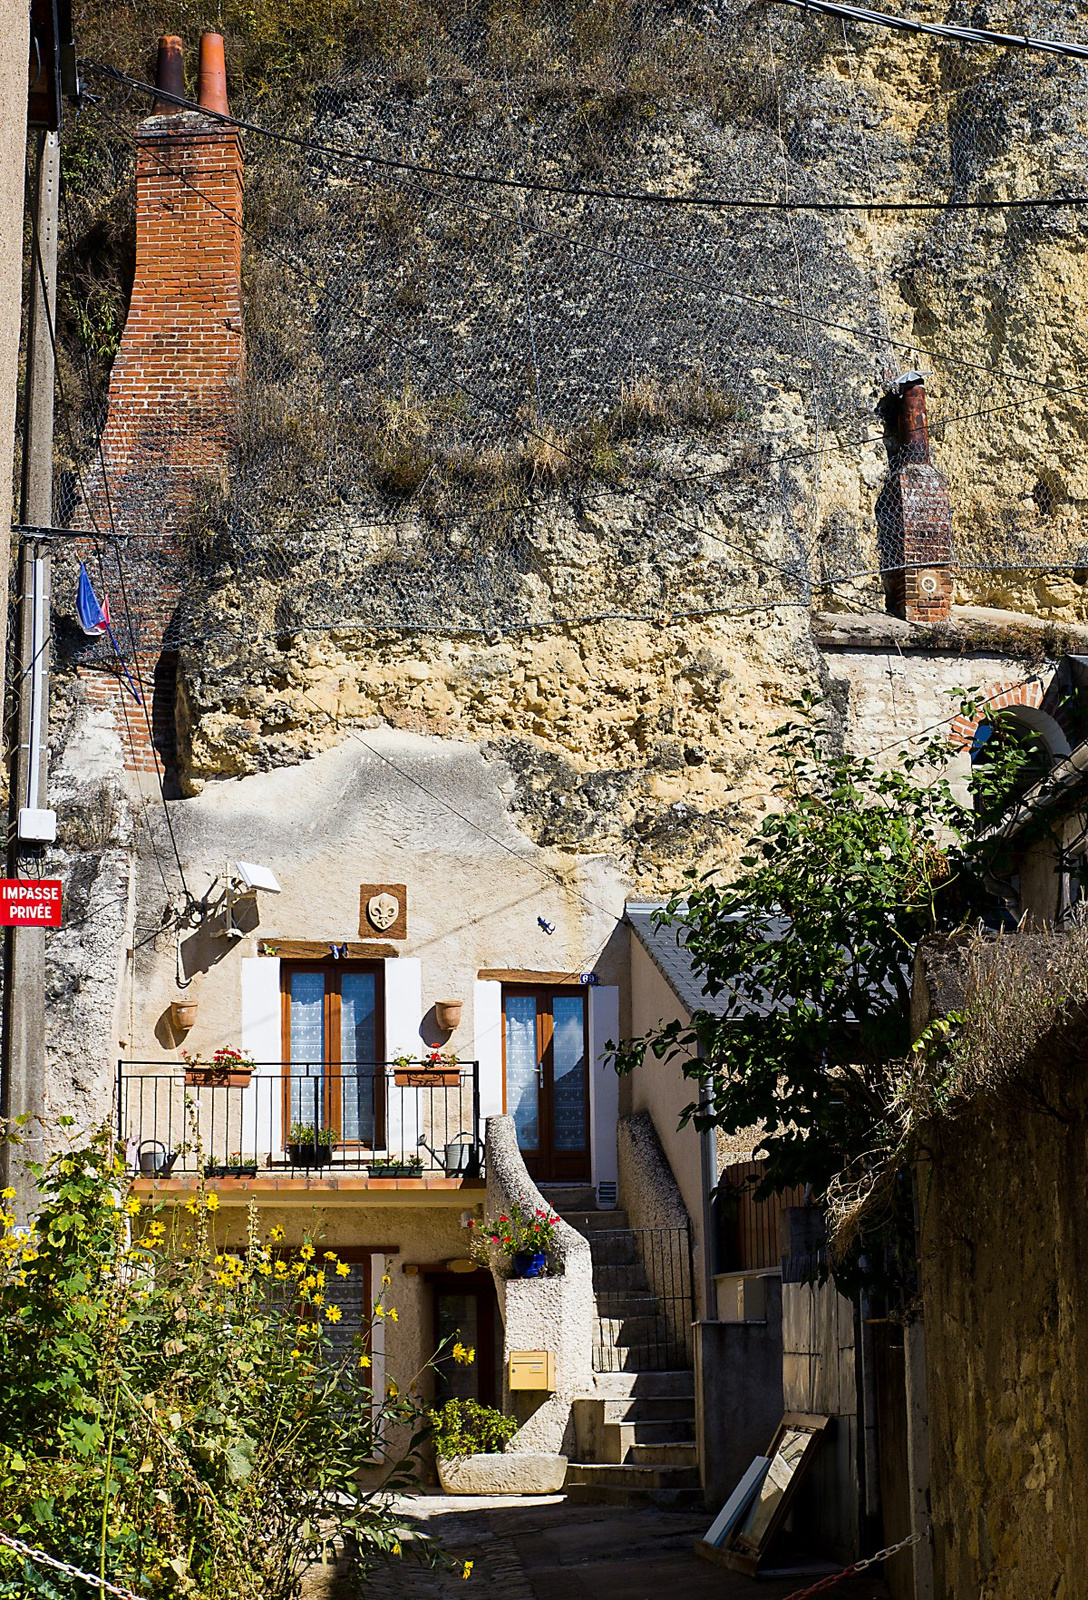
[
  {"x": 173, "y": 388},
  {"x": 914, "y": 515}
]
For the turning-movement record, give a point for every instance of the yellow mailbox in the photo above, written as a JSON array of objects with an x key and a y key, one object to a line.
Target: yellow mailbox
[{"x": 532, "y": 1369}]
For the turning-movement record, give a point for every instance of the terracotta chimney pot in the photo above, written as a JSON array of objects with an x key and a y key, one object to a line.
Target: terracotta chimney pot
[
  {"x": 212, "y": 77},
  {"x": 169, "y": 75}
]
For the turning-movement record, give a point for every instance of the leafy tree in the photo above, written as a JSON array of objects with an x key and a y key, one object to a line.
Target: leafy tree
[{"x": 808, "y": 950}]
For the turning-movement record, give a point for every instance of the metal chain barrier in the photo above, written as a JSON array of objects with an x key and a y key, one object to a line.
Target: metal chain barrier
[
  {"x": 858, "y": 1566},
  {"x": 30, "y": 1554}
]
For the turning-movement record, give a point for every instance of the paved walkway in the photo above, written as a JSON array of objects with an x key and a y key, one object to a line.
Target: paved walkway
[{"x": 543, "y": 1549}]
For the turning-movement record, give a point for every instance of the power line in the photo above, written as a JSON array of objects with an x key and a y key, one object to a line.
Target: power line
[
  {"x": 943, "y": 30},
  {"x": 575, "y": 192}
]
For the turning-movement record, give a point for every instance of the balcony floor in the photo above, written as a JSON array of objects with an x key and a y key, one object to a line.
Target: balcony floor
[{"x": 286, "y": 1187}]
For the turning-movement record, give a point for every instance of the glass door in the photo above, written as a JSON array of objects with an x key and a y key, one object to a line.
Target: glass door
[
  {"x": 547, "y": 1080},
  {"x": 333, "y": 1044}
]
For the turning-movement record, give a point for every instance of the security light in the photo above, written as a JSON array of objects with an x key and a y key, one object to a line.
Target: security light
[{"x": 254, "y": 877}]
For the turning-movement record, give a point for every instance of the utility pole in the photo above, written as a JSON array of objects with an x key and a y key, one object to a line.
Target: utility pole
[{"x": 33, "y": 825}]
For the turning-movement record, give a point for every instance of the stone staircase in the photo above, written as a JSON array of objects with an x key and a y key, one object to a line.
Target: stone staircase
[{"x": 636, "y": 1435}]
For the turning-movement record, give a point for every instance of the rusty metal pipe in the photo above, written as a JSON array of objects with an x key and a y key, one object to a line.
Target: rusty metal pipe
[
  {"x": 169, "y": 75},
  {"x": 212, "y": 76}
]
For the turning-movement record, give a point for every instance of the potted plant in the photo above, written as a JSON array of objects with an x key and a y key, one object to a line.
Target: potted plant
[
  {"x": 438, "y": 1069},
  {"x": 228, "y": 1068},
  {"x": 470, "y": 1440},
  {"x": 526, "y": 1238},
  {"x": 236, "y": 1165},
  {"x": 395, "y": 1167},
  {"x": 308, "y": 1146}
]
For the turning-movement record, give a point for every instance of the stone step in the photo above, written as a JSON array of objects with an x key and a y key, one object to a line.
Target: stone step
[
  {"x": 644, "y": 1328},
  {"x": 659, "y": 1430},
  {"x": 653, "y": 1385},
  {"x": 645, "y": 1357},
  {"x": 608, "y": 1249},
  {"x": 589, "y": 1222},
  {"x": 626, "y": 1302},
  {"x": 671, "y": 1410},
  {"x": 672, "y": 1453},
  {"x": 609, "y": 1475},
  {"x": 563, "y": 1197},
  {"x": 661, "y": 1499}
]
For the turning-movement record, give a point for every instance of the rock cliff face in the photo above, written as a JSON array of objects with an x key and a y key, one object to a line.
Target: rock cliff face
[{"x": 560, "y": 473}]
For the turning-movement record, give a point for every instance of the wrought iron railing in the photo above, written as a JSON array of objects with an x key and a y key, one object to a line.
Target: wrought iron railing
[
  {"x": 388, "y": 1119},
  {"x": 643, "y": 1283}
]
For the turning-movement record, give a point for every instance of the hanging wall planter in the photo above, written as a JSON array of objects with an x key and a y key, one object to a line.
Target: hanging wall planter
[
  {"x": 182, "y": 1015},
  {"x": 447, "y": 1014}
]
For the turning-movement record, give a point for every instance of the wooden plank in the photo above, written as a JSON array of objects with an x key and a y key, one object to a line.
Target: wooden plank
[
  {"x": 523, "y": 975},
  {"x": 321, "y": 950}
]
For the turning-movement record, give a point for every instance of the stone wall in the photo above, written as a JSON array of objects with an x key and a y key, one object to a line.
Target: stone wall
[{"x": 1005, "y": 1268}]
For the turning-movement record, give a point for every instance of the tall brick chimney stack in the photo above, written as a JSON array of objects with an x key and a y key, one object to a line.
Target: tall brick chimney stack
[
  {"x": 174, "y": 383},
  {"x": 915, "y": 515},
  {"x": 173, "y": 389}
]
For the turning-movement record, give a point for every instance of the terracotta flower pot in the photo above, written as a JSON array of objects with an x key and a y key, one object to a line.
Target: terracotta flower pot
[
  {"x": 182, "y": 1015},
  {"x": 447, "y": 1013},
  {"x": 424, "y": 1077}
]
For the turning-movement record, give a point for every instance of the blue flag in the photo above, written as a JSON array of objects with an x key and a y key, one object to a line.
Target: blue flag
[{"x": 94, "y": 619}]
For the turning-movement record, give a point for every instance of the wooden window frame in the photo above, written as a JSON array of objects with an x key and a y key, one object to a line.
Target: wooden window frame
[
  {"x": 544, "y": 994},
  {"x": 332, "y": 1063}
]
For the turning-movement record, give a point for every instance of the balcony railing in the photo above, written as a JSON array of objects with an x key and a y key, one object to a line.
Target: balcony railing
[{"x": 386, "y": 1119}]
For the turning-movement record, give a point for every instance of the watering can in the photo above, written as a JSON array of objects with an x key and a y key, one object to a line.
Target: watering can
[
  {"x": 155, "y": 1160},
  {"x": 459, "y": 1160}
]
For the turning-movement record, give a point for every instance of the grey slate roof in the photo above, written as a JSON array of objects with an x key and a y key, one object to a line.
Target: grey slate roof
[{"x": 664, "y": 946}]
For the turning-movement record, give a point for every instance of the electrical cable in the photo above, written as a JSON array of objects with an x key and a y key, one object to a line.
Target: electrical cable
[
  {"x": 568, "y": 191},
  {"x": 942, "y": 30}
]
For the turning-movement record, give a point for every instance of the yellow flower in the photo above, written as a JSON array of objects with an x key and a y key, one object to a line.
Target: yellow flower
[
  {"x": 280, "y": 1269},
  {"x": 132, "y": 1206},
  {"x": 276, "y": 1233},
  {"x": 466, "y": 1570},
  {"x": 192, "y": 1206},
  {"x": 211, "y": 1202},
  {"x": 379, "y": 1311},
  {"x": 464, "y": 1355},
  {"x": 333, "y": 1314},
  {"x": 221, "y": 1277},
  {"x": 264, "y": 1268},
  {"x": 7, "y": 1194},
  {"x": 343, "y": 1270},
  {"x": 309, "y": 1282},
  {"x": 307, "y": 1252},
  {"x": 319, "y": 1299},
  {"x": 330, "y": 1255},
  {"x": 295, "y": 1354},
  {"x": 387, "y": 1280},
  {"x": 157, "y": 1230},
  {"x": 393, "y": 1314},
  {"x": 396, "y": 1549},
  {"x": 364, "y": 1361},
  {"x": 391, "y": 1390}
]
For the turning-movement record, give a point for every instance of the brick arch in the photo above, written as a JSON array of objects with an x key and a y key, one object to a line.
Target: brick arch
[{"x": 1028, "y": 703}]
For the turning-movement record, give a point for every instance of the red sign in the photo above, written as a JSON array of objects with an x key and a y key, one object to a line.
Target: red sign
[{"x": 29, "y": 902}]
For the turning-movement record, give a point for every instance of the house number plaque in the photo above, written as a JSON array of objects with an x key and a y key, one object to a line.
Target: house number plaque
[{"x": 383, "y": 908}]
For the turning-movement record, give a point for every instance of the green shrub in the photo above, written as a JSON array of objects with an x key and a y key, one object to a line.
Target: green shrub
[
  {"x": 173, "y": 1412},
  {"x": 467, "y": 1428}
]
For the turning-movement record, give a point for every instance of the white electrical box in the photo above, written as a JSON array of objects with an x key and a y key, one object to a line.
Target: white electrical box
[{"x": 36, "y": 826}]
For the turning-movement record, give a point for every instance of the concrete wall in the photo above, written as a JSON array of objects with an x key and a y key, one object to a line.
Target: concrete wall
[
  {"x": 403, "y": 809},
  {"x": 555, "y": 1313},
  {"x": 660, "y": 1089},
  {"x": 738, "y": 1382}
]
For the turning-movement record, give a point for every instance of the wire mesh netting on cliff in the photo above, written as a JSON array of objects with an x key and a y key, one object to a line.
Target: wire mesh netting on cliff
[{"x": 474, "y": 406}]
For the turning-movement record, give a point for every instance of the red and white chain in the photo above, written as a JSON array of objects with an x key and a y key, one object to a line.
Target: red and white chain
[
  {"x": 30, "y": 1554},
  {"x": 858, "y": 1566}
]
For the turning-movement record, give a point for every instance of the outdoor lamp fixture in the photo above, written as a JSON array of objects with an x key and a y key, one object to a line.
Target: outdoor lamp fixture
[{"x": 244, "y": 882}]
